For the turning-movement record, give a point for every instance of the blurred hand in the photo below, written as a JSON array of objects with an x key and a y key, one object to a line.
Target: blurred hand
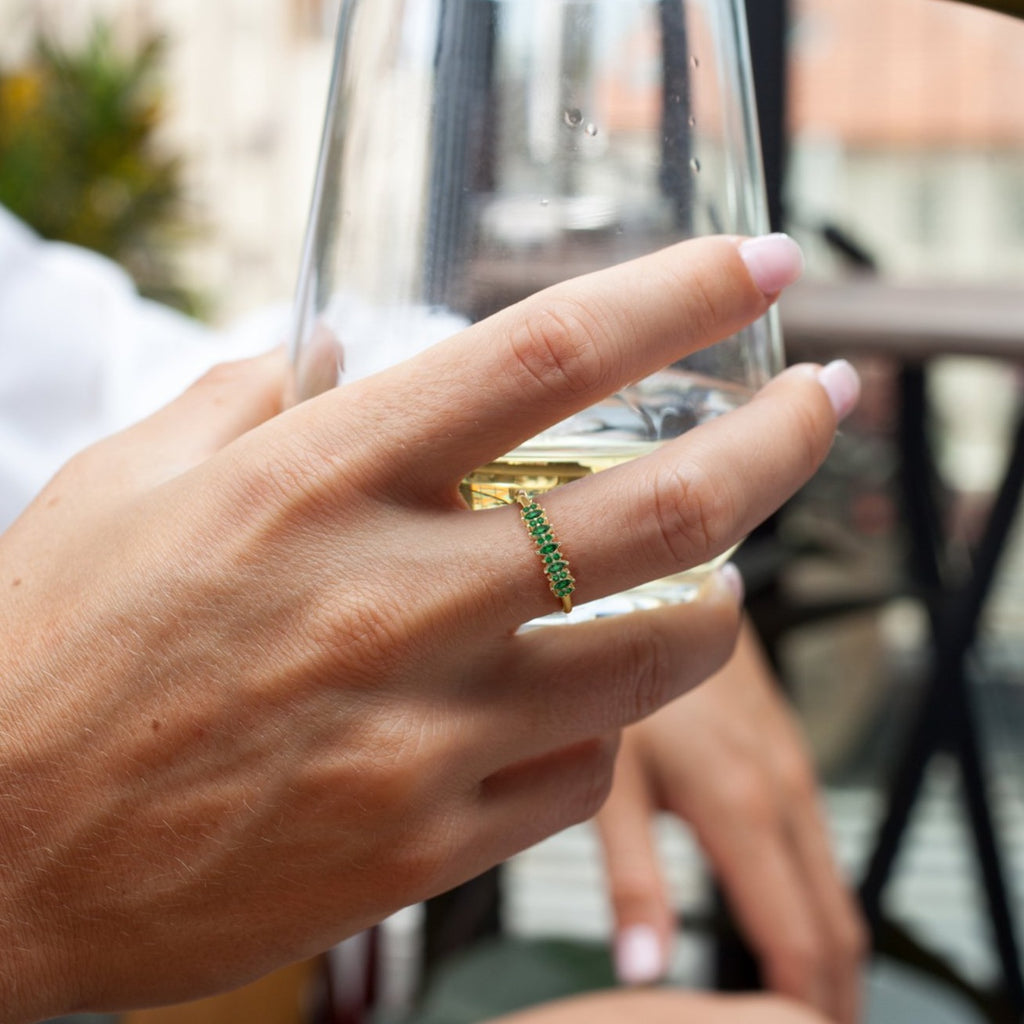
[
  {"x": 666, "y": 1006},
  {"x": 731, "y": 760},
  {"x": 261, "y": 680}
]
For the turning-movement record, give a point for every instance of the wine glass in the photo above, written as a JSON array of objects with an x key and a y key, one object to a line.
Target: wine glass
[{"x": 476, "y": 151}]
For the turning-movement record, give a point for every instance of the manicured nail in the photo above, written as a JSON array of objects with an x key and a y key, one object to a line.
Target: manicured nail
[
  {"x": 842, "y": 385},
  {"x": 774, "y": 262},
  {"x": 639, "y": 959},
  {"x": 731, "y": 577}
]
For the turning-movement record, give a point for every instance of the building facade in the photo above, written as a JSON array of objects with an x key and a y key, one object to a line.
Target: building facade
[{"x": 905, "y": 118}]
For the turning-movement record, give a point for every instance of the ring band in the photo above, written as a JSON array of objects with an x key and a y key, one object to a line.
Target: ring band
[{"x": 556, "y": 565}]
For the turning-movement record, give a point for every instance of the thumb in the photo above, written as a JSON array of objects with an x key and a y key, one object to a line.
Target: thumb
[{"x": 639, "y": 897}]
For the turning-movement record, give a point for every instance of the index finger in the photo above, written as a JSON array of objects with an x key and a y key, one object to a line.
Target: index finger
[{"x": 506, "y": 378}]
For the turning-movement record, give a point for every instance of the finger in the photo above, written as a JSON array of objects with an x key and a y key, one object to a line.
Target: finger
[
  {"x": 636, "y": 887},
  {"x": 560, "y": 351},
  {"x": 746, "y": 840},
  {"x": 689, "y": 501},
  {"x": 696, "y": 497},
  {"x": 537, "y": 797},
  {"x": 842, "y": 926},
  {"x": 566, "y": 684}
]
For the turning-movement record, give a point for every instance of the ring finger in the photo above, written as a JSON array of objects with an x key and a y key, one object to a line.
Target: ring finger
[{"x": 679, "y": 507}]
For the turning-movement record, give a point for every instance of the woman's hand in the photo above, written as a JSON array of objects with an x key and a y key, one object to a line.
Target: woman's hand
[
  {"x": 261, "y": 682},
  {"x": 730, "y": 760}
]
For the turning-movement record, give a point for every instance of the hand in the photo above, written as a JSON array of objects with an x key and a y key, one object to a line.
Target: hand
[
  {"x": 665, "y": 1006},
  {"x": 730, "y": 760},
  {"x": 261, "y": 680}
]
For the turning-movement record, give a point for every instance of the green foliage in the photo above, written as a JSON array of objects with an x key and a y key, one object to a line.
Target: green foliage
[{"x": 79, "y": 159}]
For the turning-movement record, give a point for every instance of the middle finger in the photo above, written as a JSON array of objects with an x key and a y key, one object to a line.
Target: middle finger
[{"x": 505, "y": 379}]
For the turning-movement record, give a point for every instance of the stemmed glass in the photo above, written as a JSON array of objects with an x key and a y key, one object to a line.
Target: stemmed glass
[{"x": 476, "y": 151}]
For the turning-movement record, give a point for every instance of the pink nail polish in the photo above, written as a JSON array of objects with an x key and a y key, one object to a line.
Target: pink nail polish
[
  {"x": 639, "y": 958},
  {"x": 842, "y": 385},
  {"x": 733, "y": 580},
  {"x": 774, "y": 261}
]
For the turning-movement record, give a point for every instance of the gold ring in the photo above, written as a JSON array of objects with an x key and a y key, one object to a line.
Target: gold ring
[{"x": 556, "y": 565}]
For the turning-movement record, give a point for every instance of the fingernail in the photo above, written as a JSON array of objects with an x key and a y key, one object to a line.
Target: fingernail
[
  {"x": 732, "y": 578},
  {"x": 639, "y": 959},
  {"x": 774, "y": 261},
  {"x": 842, "y": 385}
]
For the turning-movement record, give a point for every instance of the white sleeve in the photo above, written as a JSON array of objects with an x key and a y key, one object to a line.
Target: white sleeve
[{"x": 82, "y": 355}]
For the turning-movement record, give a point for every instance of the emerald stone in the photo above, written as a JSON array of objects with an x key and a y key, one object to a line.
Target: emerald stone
[
  {"x": 549, "y": 549},
  {"x": 533, "y": 512}
]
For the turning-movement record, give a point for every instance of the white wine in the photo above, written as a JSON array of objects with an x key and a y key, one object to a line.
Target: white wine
[
  {"x": 537, "y": 468},
  {"x": 540, "y": 468}
]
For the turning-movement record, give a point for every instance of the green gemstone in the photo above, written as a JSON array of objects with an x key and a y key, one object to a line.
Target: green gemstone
[
  {"x": 533, "y": 512},
  {"x": 549, "y": 549},
  {"x": 539, "y": 529},
  {"x": 563, "y": 589},
  {"x": 559, "y": 571},
  {"x": 555, "y": 557}
]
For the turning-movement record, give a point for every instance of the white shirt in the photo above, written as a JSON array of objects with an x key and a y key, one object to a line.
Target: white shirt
[{"x": 82, "y": 355}]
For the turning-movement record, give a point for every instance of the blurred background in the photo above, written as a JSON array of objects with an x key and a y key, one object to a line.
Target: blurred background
[
  {"x": 180, "y": 138},
  {"x": 204, "y": 120},
  {"x": 902, "y": 128}
]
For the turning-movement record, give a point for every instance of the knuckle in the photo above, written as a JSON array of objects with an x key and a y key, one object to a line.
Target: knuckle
[
  {"x": 556, "y": 347},
  {"x": 647, "y": 665},
  {"x": 705, "y": 310},
  {"x": 813, "y": 435},
  {"x": 82, "y": 465},
  {"x": 223, "y": 375},
  {"x": 690, "y": 512},
  {"x": 595, "y": 762},
  {"x": 296, "y": 476},
  {"x": 633, "y": 892},
  {"x": 796, "y": 778},
  {"x": 290, "y": 478},
  {"x": 717, "y": 301},
  {"x": 744, "y": 795},
  {"x": 796, "y": 961},
  {"x": 422, "y": 857}
]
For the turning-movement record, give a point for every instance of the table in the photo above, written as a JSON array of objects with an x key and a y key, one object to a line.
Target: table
[
  {"x": 910, "y": 323},
  {"x": 913, "y": 326}
]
